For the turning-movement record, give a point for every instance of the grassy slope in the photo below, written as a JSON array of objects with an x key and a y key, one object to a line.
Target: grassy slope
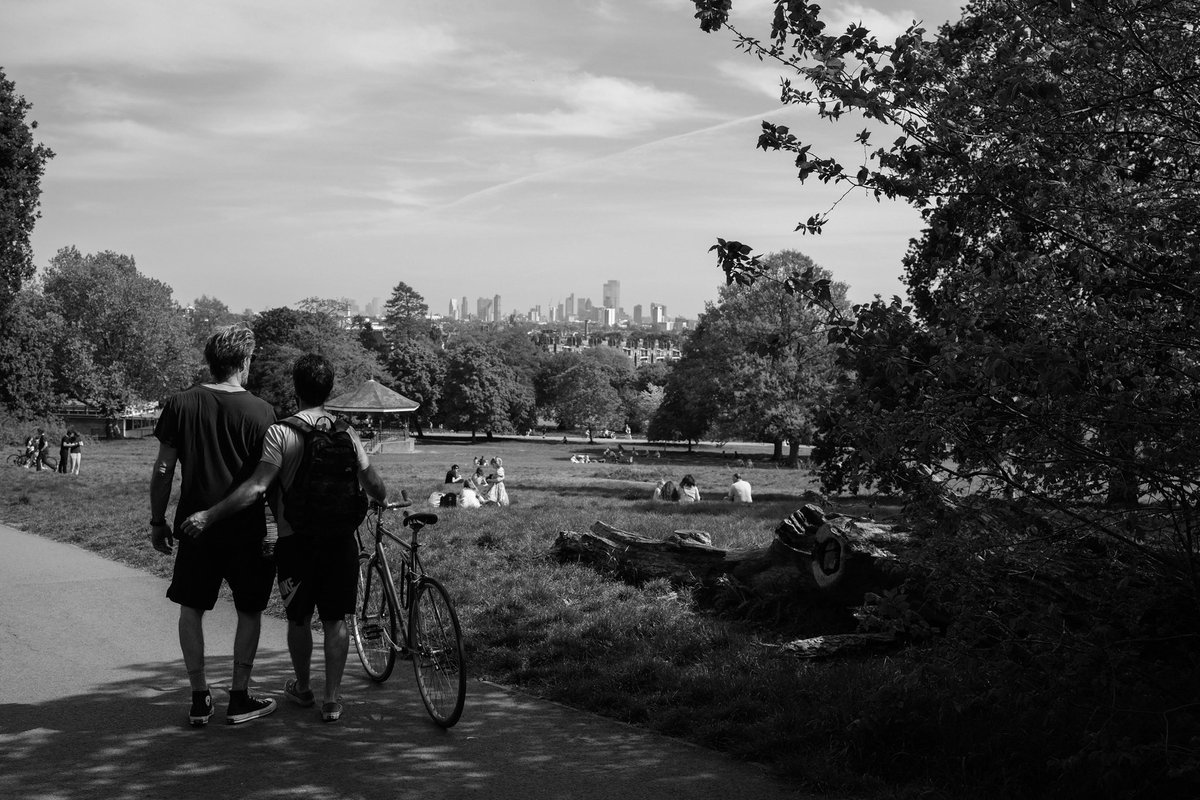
[{"x": 643, "y": 655}]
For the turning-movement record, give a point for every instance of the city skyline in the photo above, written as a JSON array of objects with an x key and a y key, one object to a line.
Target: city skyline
[
  {"x": 571, "y": 307},
  {"x": 521, "y": 147}
]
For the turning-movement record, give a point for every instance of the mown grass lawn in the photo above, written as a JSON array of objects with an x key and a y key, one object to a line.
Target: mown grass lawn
[{"x": 645, "y": 655}]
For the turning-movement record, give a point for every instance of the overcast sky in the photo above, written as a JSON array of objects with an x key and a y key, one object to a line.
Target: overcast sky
[{"x": 263, "y": 152}]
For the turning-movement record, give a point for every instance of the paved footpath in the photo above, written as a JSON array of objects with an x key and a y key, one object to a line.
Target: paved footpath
[{"x": 93, "y": 702}]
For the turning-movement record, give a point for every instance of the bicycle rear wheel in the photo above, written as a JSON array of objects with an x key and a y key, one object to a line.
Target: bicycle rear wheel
[
  {"x": 373, "y": 626},
  {"x": 437, "y": 652}
]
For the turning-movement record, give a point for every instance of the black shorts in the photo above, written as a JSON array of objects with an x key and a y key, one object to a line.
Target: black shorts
[
  {"x": 232, "y": 556},
  {"x": 320, "y": 573}
]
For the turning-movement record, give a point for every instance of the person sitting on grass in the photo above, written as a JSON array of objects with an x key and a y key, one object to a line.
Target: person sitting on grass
[
  {"x": 667, "y": 491},
  {"x": 739, "y": 490},
  {"x": 454, "y": 481},
  {"x": 688, "y": 491}
]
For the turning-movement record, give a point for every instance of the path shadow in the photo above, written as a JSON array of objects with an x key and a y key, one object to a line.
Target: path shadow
[{"x": 130, "y": 739}]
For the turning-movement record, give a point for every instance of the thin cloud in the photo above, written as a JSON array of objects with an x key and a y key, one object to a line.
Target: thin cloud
[{"x": 594, "y": 106}]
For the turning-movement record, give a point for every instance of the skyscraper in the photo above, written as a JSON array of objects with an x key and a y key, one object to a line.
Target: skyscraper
[
  {"x": 463, "y": 313},
  {"x": 612, "y": 294},
  {"x": 637, "y": 314},
  {"x": 453, "y": 308},
  {"x": 484, "y": 306},
  {"x": 570, "y": 305},
  {"x": 496, "y": 313}
]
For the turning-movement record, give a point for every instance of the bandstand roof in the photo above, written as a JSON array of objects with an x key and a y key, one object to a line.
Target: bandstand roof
[{"x": 372, "y": 398}]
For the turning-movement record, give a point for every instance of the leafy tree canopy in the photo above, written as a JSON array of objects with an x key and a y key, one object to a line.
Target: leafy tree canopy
[
  {"x": 1050, "y": 335},
  {"x": 22, "y": 162},
  {"x": 125, "y": 339},
  {"x": 406, "y": 313},
  {"x": 283, "y": 334},
  {"x": 418, "y": 371},
  {"x": 482, "y": 393}
]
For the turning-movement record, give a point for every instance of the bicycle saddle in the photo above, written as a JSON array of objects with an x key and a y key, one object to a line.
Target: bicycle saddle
[{"x": 420, "y": 518}]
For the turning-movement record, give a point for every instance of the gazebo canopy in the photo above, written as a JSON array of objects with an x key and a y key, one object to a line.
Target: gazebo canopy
[{"x": 372, "y": 398}]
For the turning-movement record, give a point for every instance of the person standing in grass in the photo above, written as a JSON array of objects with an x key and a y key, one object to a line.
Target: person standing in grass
[
  {"x": 739, "y": 490},
  {"x": 40, "y": 446},
  {"x": 498, "y": 494},
  {"x": 64, "y": 450},
  {"x": 214, "y": 432},
  {"x": 318, "y": 564},
  {"x": 74, "y": 451}
]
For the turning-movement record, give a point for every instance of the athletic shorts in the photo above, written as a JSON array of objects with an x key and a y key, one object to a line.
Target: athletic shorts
[
  {"x": 317, "y": 573},
  {"x": 232, "y": 556}
]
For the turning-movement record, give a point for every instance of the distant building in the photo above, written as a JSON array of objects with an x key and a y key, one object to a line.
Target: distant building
[
  {"x": 570, "y": 306},
  {"x": 637, "y": 314},
  {"x": 453, "y": 309},
  {"x": 463, "y": 309},
  {"x": 497, "y": 314},
  {"x": 608, "y": 317},
  {"x": 658, "y": 315},
  {"x": 482, "y": 307},
  {"x": 612, "y": 294}
]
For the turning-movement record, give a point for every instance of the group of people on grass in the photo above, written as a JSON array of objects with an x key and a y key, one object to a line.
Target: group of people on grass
[
  {"x": 233, "y": 454},
  {"x": 477, "y": 490},
  {"x": 37, "y": 452},
  {"x": 686, "y": 491}
]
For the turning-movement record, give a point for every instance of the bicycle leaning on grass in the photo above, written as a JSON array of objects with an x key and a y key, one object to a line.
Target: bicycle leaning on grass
[{"x": 407, "y": 613}]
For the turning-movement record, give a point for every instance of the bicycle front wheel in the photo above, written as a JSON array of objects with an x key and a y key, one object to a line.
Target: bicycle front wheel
[
  {"x": 374, "y": 627},
  {"x": 437, "y": 653}
]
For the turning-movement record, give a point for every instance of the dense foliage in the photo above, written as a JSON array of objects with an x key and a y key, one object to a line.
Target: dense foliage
[
  {"x": 1047, "y": 344},
  {"x": 758, "y": 366},
  {"x": 1045, "y": 352},
  {"x": 22, "y": 161}
]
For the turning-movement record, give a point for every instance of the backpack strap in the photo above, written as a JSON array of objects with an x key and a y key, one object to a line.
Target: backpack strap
[{"x": 295, "y": 423}]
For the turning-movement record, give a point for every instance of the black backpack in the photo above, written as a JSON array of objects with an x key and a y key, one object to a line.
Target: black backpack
[{"x": 325, "y": 498}]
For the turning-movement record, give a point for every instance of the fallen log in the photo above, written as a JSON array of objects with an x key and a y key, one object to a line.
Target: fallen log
[
  {"x": 840, "y": 644},
  {"x": 841, "y": 556},
  {"x": 685, "y": 557}
]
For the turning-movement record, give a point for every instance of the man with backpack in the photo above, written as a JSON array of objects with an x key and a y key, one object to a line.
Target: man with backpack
[{"x": 320, "y": 477}]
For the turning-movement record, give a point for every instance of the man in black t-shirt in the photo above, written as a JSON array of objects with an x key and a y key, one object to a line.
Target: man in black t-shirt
[
  {"x": 39, "y": 446},
  {"x": 214, "y": 432}
]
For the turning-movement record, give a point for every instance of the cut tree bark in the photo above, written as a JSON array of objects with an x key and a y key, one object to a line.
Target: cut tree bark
[{"x": 840, "y": 556}]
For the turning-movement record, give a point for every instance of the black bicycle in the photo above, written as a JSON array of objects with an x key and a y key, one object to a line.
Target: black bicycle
[
  {"x": 408, "y": 614},
  {"x": 23, "y": 459}
]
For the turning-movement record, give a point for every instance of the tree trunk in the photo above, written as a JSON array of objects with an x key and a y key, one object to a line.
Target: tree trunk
[
  {"x": 793, "y": 459},
  {"x": 840, "y": 559}
]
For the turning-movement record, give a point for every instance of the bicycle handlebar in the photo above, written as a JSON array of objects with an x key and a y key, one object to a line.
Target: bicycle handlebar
[{"x": 403, "y": 502}]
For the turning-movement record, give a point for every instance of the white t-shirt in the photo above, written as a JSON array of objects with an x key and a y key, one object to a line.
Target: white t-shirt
[
  {"x": 739, "y": 492},
  {"x": 283, "y": 446}
]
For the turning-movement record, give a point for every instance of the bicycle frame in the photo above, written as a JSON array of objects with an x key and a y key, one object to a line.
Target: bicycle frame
[
  {"x": 414, "y": 609},
  {"x": 411, "y": 570}
]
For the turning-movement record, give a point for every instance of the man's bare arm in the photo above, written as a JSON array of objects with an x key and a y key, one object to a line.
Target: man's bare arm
[
  {"x": 247, "y": 493},
  {"x": 373, "y": 484},
  {"x": 161, "y": 478}
]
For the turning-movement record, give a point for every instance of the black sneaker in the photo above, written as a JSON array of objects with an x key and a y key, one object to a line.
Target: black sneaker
[
  {"x": 202, "y": 709},
  {"x": 240, "y": 711}
]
